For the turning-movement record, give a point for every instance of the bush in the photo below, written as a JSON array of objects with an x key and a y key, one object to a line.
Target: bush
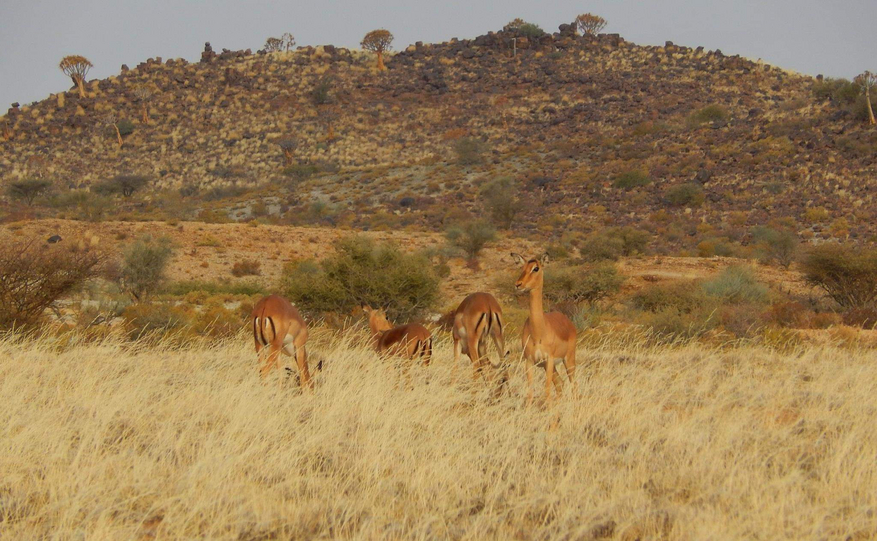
[
  {"x": 469, "y": 151},
  {"x": 531, "y": 30},
  {"x": 361, "y": 272},
  {"x": 301, "y": 171},
  {"x": 581, "y": 284},
  {"x": 678, "y": 297},
  {"x": 775, "y": 245},
  {"x": 847, "y": 274},
  {"x": 33, "y": 276},
  {"x": 631, "y": 179},
  {"x": 736, "y": 285},
  {"x": 321, "y": 93},
  {"x": 27, "y": 189},
  {"x": 710, "y": 113},
  {"x": 126, "y": 127},
  {"x": 689, "y": 195},
  {"x": 471, "y": 237},
  {"x": 144, "y": 264},
  {"x": 614, "y": 242},
  {"x": 247, "y": 267},
  {"x": 501, "y": 200},
  {"x": 125, "y": 185},
  {"x": 214, "y": 288}
]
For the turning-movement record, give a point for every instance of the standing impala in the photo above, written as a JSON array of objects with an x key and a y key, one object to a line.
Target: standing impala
[
  {"x": 477, "y": 317},
  {"x": 546, "y": 338},
  {"x": 410, "y": 341},
  {"x": 278, "y": 325}
]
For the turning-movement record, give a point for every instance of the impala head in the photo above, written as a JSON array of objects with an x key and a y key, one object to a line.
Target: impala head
[
  {"x": 377, "y": 318},
  {"x": 531, "y": 275}
]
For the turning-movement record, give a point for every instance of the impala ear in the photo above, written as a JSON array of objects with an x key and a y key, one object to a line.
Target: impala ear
[
  {"x": 366, "y": 308},
  {"x": 544, "y": 259},
  {"x": 519, "y": 259}
]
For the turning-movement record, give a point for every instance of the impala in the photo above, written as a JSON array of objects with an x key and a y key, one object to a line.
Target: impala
[
  {"x": 477, "y": 317},
  {"x": 278, "y": 325},
  {"x": 546, "y": 338},
  {"x": 410, "y": 341}
]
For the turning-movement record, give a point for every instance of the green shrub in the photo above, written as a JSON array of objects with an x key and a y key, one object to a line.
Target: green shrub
[
  {"x": 501, "y": 200},
  {"x": 27, "y": 189},
  {"x": 688, "y": 195},
  {"x": 124, "y": 185},
  {"x": 471, "y": 237},
  {"x": 681, "y": 297},
  {"x": 847, "y": 274},
  {"x": 631, "y": 179},
  {"x": 126, "y": 127},
  {"x": 301, "y": 171},
  {"x": 736, "y": 284},
  {"x": 214, "y": 288},
  {"x": 321, "y": 92},
  {"x": 582, "y": 284},
  {"x": 531, "y": 30},
  {"x": 361, "y": 272},
  {"x": 614, "y": 242},
  {"x": 469, "y": 151},
  {"x": 144, "y": 265},
  {"x": 775, "y": 245},
  {"x": 710, "y": 113}
]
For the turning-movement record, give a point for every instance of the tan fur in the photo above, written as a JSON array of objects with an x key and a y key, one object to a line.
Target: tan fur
[
  {"x": 409, "y": 341},
  {"x": 546, "y": 338},
  {"x": 277, "y": 325},
  {"x": 477, "y": 317}
]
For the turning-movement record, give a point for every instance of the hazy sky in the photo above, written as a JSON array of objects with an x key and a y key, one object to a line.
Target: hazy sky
[{"x": 811, "y": 36}]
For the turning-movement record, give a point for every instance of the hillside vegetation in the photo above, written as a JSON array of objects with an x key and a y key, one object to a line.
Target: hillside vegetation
[{"x": 582, "y": 131}]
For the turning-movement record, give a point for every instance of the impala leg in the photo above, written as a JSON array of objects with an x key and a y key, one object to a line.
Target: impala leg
[
  {"x": 271, "y": 361},
  {"x": 458, "y": 351},
  {"x": 549, "y": 379},
  {"x": 301, "y": 359},
  {"x": 529, "y": 362},
  {"x": 570, "y": 366},
  {"x": 558, "y": 383},
  {"x": 475, "y": 355}
]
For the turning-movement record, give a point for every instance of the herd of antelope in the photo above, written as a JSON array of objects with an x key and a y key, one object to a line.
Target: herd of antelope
[{"x": 545, "y": 338}]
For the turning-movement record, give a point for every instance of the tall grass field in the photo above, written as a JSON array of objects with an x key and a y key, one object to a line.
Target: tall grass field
[{"x": 116, "y": 441}]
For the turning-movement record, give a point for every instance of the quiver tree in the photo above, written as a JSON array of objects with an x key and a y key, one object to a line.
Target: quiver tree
[
  {"x": 590, "y": 24},
  {"x": 110, "y": 120},
  {"x": 272, "y": 45},
  {"x": 328, "y": 116},
  {"x": 288, "y": 146},
  {"x": 378, "y": 41},
  {"x": 7, "y": 132},
  {"x": 76, "y": 67},
  {"x": 143, "y": 93},
  {"x": 867, "y": 81},
  {"x": 287, "y": 41}
]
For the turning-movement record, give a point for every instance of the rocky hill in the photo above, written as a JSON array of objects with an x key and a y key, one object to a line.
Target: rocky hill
[{"x": 691, "y": 145}]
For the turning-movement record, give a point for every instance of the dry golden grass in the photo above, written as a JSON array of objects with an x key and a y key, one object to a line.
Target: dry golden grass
[{"x": 113, "y": 441}]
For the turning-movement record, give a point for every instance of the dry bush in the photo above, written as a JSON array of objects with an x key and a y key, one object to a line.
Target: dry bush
[
  {"x": 247, "y": 267},
  {"x": 847, "y": 274},
  {"x": 666, "y": 443},
  {"x": 33, "y": 276}
]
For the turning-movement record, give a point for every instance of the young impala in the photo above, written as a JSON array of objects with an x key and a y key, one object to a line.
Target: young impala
[
  {"x": 278, "y": 325},
  {"x": 410, "y": 341},
  {"x": 546, "y": 338},
  {"x": 477, "y": 317}
]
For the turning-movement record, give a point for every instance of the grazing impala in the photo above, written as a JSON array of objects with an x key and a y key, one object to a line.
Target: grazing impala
[
  {"x": 410, "y": 341},
  {"x": 278, "y": 326},
  {"x": 546, "y": 338},
  {"x": 477, "y": 317}
]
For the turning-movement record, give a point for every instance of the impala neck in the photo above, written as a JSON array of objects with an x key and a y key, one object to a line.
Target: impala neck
[{"x": 537, "y": 314}]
